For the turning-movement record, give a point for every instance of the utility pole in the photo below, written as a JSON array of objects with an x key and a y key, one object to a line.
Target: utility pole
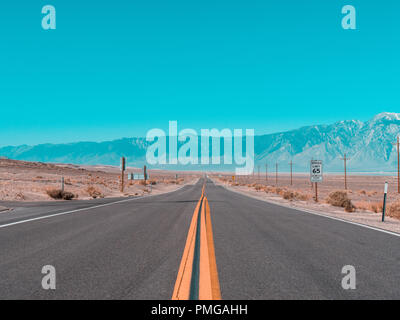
[
  {"x": 258, "y": 167},
  {"x": 276, "y": 174},
  {"x": 398, "y": 163},
  {"x": 345, "y": 170},
  {"x": 291, "y": 172},
  {"x": 266, "y": 171},
  {"x": 312, "y": 184}
]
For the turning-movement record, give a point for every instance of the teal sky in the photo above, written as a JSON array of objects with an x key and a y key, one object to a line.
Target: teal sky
[{"x": 117, "y": 68}]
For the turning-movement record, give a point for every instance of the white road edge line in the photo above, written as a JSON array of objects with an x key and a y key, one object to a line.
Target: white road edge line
[
  {"x": 316, "y": 213},
  {"x": 83, "y": 209}
]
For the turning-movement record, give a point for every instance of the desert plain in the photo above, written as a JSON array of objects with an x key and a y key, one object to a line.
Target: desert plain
[{"x": 35, "y": 181}]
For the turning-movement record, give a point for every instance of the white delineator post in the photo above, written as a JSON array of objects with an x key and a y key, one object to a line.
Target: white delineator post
[{"x": 384, "y": 201}]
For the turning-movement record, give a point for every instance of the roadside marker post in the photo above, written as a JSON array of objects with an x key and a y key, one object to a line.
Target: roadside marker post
[
  {"x": 398, "y": 163},
  {"x": 384, "y": 201},
  {"x": 62, "y": 184},
  {"x": 122, "y": 173}
]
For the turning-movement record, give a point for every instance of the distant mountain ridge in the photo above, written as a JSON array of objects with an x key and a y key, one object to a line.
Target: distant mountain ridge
[{"x": 368, "y": 145}]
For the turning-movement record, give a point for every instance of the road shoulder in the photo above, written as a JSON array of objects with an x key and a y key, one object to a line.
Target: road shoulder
[{"x": 367, "y": 219}]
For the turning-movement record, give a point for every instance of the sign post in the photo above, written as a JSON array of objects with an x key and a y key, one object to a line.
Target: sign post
[
  {"x": 384, "y": 201},
  {"x": 122, "y": 173},
  {"x": 316, "y": 175}
]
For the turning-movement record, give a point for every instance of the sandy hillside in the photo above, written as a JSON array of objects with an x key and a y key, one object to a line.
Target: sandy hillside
[{"x": 32, "y": 181}]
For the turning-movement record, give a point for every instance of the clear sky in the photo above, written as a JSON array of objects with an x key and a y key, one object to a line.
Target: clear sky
[{"x": 119, "y": 68}]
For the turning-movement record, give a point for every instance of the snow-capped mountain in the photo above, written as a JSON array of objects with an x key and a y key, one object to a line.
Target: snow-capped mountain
[{"x": 369, "y": 145}]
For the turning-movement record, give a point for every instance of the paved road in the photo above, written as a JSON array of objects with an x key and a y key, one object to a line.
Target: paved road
[
  {"x": 265, "y": 251},
  {"x": 132, "y": 250},
  {"x": 127, "y": 250}
]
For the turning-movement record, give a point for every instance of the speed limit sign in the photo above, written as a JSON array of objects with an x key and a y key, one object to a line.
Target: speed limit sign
[{"x": 316, "y": 171}]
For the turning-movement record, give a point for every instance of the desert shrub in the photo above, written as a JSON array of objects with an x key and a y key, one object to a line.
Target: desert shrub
[
  {"x": 269, "y": 189},
  {"x": 281, "y": 191},
  {"x": 394, "y": 210},
  {"x": 302, "y": 197},
  {"x": 55, "y": 193},
  {"x": 94, "y": 192},
  {"x": 377, "y": 207},
  {"x": 288, "y": 195},
  {"x": 258, "y": 187},
  {"x": 349, "y": 207},
  {"x": 370, "y": 206},
  {"x": 20, "y": 196},
  {"x": 337, "y": 198},
  {"x": 340, "y": 199},
  {"x": 68, "y": 195},
  {"x": 152, "y": 182},
  {"x": 58, "y": 194},
  {"x": 174, "y": 181},
  {"x": 363, "y": 205}
]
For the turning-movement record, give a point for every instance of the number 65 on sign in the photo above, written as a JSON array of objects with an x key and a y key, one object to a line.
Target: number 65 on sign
[{"x": 316, "y": 171}]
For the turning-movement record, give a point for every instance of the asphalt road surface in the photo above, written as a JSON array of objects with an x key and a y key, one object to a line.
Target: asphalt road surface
[{"x": 132, "y": 248}]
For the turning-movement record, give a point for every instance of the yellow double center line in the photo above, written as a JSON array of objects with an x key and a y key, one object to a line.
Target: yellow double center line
[{"x": 198, "y": 275}]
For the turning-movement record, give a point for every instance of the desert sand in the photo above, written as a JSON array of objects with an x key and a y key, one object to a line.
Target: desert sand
[
  {"x": 31, "y": 181},
  {"x": 365, "y": 192}
]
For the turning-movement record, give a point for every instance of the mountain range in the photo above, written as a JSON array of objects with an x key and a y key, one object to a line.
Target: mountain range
[{"x": 369, "y": 145}]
